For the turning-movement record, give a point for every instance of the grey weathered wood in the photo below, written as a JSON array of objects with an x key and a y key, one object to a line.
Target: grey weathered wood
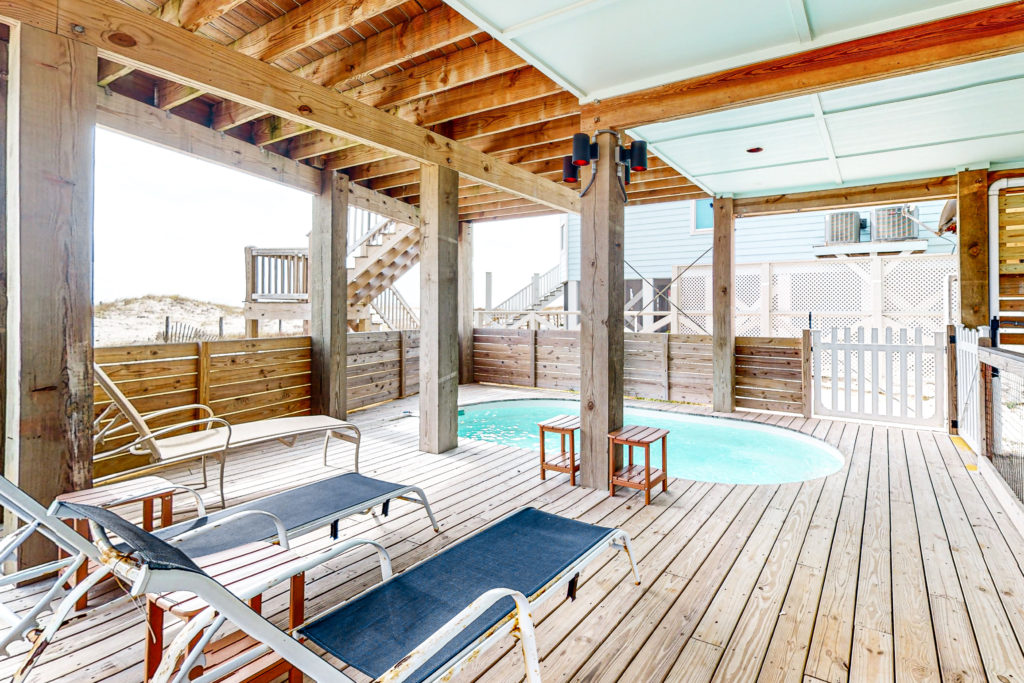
[
  {"x": 972, "y": 231},
  {"x": 439, "y": 358},
  {"x": 328, "y": 296},
  {"x": 722, "y": 304},
  {"x": 602, "y": 321},
  {"x": 465, "y": 303},
  {"x": 50, "y": 232},
  {"x": 4, "y": 56}
]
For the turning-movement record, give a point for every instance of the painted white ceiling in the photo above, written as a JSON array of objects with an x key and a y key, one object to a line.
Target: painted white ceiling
[
  {"x": 932, "y": 123},
  {"x": 602, "y": 48},
  {"x": 925, "y": 124}
]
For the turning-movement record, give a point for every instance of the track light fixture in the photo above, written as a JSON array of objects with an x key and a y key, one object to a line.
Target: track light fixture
[{"x": 584, "y": 150}]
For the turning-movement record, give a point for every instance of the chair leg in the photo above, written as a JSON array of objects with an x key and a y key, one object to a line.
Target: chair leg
[
  {"x": 611, "y": 467},
  {"x": 572, "y": 458},
  {"x": 664, "y": 462},
  {"x": 543, "y": 472},
  {"x": 647, "y": 474},
  {"x": 154, "y": 638},
  {"x": 223, "y": 462},
  {"x": 327, "y": 441}
]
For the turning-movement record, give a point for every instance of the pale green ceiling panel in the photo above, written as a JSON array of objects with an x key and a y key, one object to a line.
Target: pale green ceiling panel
[
  {"x": 994, "y": 109},
  {"x": 783, "y": 143},
  {"x": 773, "y": 180},
  {"x": 759, "y": 114},
  {"x": 939, "y": 159},
  {"x": 835, "y": 16}
]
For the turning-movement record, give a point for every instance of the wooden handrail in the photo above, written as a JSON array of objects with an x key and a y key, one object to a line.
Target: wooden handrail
[{"x": 1009, "y": 361}]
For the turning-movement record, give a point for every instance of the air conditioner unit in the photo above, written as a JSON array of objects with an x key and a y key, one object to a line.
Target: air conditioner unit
[
  {"x": 842, "y": 227},
  {"x": 894, "y": 223}
]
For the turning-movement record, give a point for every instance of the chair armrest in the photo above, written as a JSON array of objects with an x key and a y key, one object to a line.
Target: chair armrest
[
  {"x": 282, "y": 532},
  {"x": 432, "y": 645},
  {"x": 177, "y": 409},
  {"x": 173, "y": 428}
]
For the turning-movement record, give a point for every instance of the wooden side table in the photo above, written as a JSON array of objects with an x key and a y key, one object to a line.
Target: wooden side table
[
  {"x": 565, "y": 461},
  {"x": 230, "y": 567},
  {"x": 634, "y": 476}
]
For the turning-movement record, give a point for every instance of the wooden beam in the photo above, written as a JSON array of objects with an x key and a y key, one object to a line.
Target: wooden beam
[
  {"x": 465, "y": 286},
  {"x": 148, "y": 43},
  {"x": 307, "y": 24},
  {"x": 943, "y": 187},
  {"x": 328, "y": 296},
  {"x": 144, "y": 122},
  {"x": 6, "y": 111},
  {"x": 972, "y": 233},
  {"x": 439, "y": 358},
  {"x": 192, "y": 15},
  {"x": 487, "y": 59},
  {"x": 395, "y": 209},
  {"x": 723, "y": 338},
  {"x": 968, "y": 37},
  {"x": 602, "y": 323},
  {"x": 50, "y": 233},
  {"x": 421, "y": 34},
  {"x": 477, "y": 217}
]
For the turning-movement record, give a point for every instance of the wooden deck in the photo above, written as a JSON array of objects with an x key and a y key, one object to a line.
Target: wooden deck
[{"x": 902, "y": 566}]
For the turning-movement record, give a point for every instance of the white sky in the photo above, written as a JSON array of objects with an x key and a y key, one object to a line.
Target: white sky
[{"x": 167, "y": 223}]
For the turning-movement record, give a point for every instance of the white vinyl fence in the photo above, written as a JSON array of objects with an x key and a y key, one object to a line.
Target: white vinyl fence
[
  {"x": 968, "y": 400},
  {"x": 894, "y": 380}
]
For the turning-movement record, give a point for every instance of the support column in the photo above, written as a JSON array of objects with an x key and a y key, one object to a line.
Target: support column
[
  {"x": 328, "y": 296},
  {"x": 723, "y": 340},
  {"x": 602, "y": 293},
  {"x": 465, "y": 303},
  {"x": 439, "y": 357},
  {"x": 972, "y": 231},
  {"x": 50, "y": 159}
]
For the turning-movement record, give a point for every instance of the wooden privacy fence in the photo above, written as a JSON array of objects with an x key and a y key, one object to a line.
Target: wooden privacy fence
[
  {"x": 249, "y": 379},
  {"x": 771, "y": 373}
]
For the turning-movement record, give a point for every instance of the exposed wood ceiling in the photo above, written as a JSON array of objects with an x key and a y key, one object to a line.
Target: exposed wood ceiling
[{"x": 418, "y": 60}]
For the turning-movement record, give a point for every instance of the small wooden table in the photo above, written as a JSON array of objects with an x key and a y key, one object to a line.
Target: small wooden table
[
  {"x": 145, "y": 490},
  {"x": 565, "y": 461},
  {"x": 634, "y": 476}
]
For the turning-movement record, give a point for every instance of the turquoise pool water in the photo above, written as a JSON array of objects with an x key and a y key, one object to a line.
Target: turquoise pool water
[{"x": 699, "y": 448}]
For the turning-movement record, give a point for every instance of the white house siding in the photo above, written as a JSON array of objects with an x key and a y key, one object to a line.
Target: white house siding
[{"x": 658, "y": 237}]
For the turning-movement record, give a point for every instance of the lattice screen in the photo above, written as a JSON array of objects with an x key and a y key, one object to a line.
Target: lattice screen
[{"x": 775, "y": 299}]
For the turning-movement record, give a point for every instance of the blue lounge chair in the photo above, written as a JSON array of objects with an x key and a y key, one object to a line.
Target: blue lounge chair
[{"x": 421, "y": 625}]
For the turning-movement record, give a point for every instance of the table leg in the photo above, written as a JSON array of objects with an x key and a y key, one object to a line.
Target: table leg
[
  {"x": 166, "y": 510},
  {"x": 82, "y": 527},
  {"x": 147, "y": 514},
  {"x": 296, "y": 615},
  {"x": 631, "y": 456},
  {"x": 664, "y": 462},
  {"x": 647, "y": 474},
  {"x": 572, "y": 458},
  {"x": 154, "y": 638},
  {"x": 543, "y": 475},
  {"x": 611, "y": 466}
]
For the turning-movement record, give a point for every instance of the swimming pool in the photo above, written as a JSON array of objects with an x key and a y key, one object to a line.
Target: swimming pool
[{"x": 699, "y": 447}]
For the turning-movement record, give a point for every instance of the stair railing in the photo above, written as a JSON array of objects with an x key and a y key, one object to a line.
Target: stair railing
[
  {"x": 395, "y": 311},
  {"x": 532, "y": 294}
]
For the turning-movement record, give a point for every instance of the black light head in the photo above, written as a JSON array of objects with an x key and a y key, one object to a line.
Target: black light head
[
  {"x": 638, "y": 156},
  {"x": 570, "y": 172},
  {"x": 581, "y": 154}
]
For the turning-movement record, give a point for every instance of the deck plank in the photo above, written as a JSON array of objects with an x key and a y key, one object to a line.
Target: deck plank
[{"x": 901, "y": 566}]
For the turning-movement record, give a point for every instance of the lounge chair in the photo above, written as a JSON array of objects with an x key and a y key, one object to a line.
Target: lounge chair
[
  {"x": 422, "y": 624},
  {"x": 177, "y": 442},
  {"x": 279, "y": 516}
]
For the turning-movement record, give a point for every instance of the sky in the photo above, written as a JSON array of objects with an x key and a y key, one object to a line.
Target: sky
[{"x": 167, "y": 223}]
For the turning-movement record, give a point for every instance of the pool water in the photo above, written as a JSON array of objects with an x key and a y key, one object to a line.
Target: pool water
[{"x": 699, "y": 447}]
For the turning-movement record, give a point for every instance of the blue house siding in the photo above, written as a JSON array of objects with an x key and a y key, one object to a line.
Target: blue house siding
[{"x": 658, "y": 237}]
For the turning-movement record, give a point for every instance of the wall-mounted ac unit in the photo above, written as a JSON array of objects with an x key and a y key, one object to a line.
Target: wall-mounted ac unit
[
  {"x": 842, "y": 227},
  {"x": 894, "y": 223}
]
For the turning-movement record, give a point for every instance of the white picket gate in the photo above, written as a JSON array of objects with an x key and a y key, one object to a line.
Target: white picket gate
[
  {"x": 968, "y": 404},
  {"x": 891, "y": 381}
]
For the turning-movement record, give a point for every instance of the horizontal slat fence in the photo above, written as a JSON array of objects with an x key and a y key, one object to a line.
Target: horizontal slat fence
[
  {"x": 771, "y": 374},
  {"x": 248, "y": 379}
]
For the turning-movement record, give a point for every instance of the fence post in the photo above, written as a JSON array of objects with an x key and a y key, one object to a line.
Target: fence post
[
  {"x": 401, "y": 364},
  {"x": 533, "y": 357},
  {"x": 203, "y": 376},
  {"x": 805, "y": 371},
  {"x": 167, "y": 329},
  {"x": 665, "y": 366},
  {"x": 488, "y": 299},
  {"x": 985, "y": 399},
  {"x": 951, "y": 370}
]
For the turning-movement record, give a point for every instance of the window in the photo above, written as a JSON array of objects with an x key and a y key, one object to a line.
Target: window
[{"x": 702, "y": 216}]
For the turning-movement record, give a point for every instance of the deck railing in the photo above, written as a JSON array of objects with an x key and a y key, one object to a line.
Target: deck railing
[
  {"x": 276, "y": 274},
  {"x": 395, "y": 311},
  {"x": 528, "y": 297}
]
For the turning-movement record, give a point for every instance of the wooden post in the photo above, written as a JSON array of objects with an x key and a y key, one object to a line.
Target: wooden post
[
  {"x": 465, "y": 303},
  {"x": 532, "y": 336},
  {"x": 401, "y": 364},
  {"x": 951, "y": 379},
  {"x": 723, "y": 341},
  {"x": 488, "y": 300},
  {"x": 439, "y": 357},
  {"x": 972, "y": 231},
  {"x": 328, "y": 296},
  {"x": 50, "y": 159},
  {"x": 602, "y": 298},
  {"x": 805, "y": 373},
  {"x": 985, "y": 400},
  {"x": 666, "y": 391}
]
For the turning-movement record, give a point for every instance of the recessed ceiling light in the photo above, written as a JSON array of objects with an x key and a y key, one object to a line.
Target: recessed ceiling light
[{"x": 755, "y": 150}]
